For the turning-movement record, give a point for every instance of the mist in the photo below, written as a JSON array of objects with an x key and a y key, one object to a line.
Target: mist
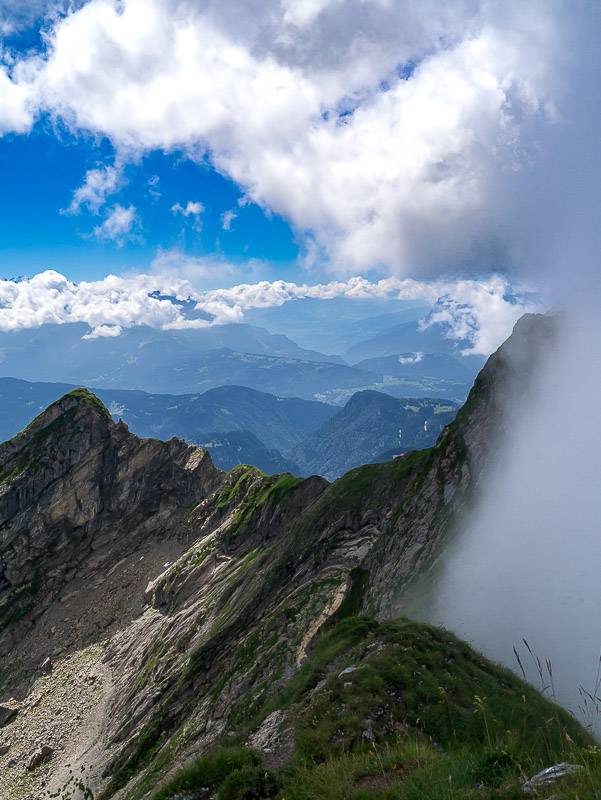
[{"x": 526, "y": 564}]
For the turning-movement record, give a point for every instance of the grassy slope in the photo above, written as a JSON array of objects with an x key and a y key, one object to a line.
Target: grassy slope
[{"x": 421, "y": 716}]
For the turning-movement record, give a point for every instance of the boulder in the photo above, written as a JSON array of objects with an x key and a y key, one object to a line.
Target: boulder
[
  {"x": 274, "y": 739},
  {"x": 347, "y": 671},
  {"x": 8, "y": 711},
  {"x": 542, "y": 780},
  {"x": 40, "y": 756}
]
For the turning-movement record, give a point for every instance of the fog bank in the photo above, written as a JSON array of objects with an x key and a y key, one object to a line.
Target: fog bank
[{"x": 527, "y": 563}]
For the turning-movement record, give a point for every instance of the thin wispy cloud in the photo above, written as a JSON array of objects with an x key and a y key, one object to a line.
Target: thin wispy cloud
[{"x": 227, "y": 218}]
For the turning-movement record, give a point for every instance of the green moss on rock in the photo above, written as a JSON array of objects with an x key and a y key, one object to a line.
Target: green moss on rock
[{"x": 89, "y": 398}]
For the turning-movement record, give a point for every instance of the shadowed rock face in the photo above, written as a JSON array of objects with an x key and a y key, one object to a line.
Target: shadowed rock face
[
  {"x": 78, "y": 491},
  {"x": 212, "y": 586}
]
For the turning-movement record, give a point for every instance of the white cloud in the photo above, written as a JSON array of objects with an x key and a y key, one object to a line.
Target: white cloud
[
  {"x": 306, "y": 107},
  {"x": 16, "y": 104},
  {"x": 153, "y": 187},
  {"x": 412, "y": 358},
  {"x": 104, "y": 332},
  {"x": 18, "y": 14},
  {"x": 481, "y": 313},
  {"x": 118, "y": 224},
  {"x": 302, "y": 13},
  {"x": 97, "y": 186},
  {"x": 192, "y": 209},
  {"x": 227, "y": 218},
  {"x": 199, "y": 270},
  {"x": 107, "y": 306}
]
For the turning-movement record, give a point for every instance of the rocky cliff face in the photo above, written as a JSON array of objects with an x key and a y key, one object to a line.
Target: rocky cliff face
[
  {"x": 78, "y": 494},
  {"x": 183, "y": 596}
]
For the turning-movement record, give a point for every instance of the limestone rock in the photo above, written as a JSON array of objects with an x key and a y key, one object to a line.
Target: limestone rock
[
  {"x": 40, "y": 756},
  {"x": 274, "y": 739},
  {"x": 8, "y": 711},
  {"x": 549, "y": 776}
]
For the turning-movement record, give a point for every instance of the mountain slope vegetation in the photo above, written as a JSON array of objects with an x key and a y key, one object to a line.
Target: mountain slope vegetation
[{"x": 238, "y": 635}]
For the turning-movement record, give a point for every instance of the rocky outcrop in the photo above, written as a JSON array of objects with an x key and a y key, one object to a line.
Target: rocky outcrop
[
  {"x": 78, "y": 494},
  {"x": 213, "y": 587}
]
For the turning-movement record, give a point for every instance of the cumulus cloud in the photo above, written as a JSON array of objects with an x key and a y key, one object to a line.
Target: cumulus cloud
[
  {"x": 98, "y": 184},
  {"x": 118, "y": 225},
  {"x": 114, "y": 303},
  {"x": 480, "y": 313},
  {"x": 16, "y": 104},
  {"x": 107, "y": 305},
  {"x": 390, "y": 134}
]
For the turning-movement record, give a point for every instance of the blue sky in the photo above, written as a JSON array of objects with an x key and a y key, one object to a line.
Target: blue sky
[{"x": 41, "y": 170}]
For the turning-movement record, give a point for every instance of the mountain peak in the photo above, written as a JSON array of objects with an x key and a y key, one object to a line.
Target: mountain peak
[
  {"x": 77, "y": 404},
  {"x": 85, "y": 397}
]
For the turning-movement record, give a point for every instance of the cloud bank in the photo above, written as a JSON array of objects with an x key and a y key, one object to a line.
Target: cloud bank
[
  {"x": 479, "y": 313},
  {"x": 391, "y": 134}
]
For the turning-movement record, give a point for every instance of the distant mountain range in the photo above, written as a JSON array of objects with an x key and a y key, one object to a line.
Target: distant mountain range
[
  {"x": 401, "y": 360},
  {"x": 241, "y": 425},
  {"x": 252, "y": 396},
  {"x": 50, "y": 351},
  {"x": 436, "y": 375},
  {"x": 411, "y": 366},
  {"x": 309, "y": 321},
  {"x": 242, "y": 447},
  {"x": 372, "y": 427},
  {"x": 279, "y": 423},
  {"x": 175, "y": 361},
  {"x": 401, "y": 338}
]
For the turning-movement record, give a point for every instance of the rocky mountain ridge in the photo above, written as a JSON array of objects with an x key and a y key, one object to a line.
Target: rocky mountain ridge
[{"x": 218, "y": 585}]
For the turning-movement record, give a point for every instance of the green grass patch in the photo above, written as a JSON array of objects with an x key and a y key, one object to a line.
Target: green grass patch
[
  {"x": 399, "y": 711},
  {"x": 210, "y": 772},
  {"x": 252, "y": 490},
  {"x": 89, "y": 398},
  {"x": 24, "y": 462}
]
